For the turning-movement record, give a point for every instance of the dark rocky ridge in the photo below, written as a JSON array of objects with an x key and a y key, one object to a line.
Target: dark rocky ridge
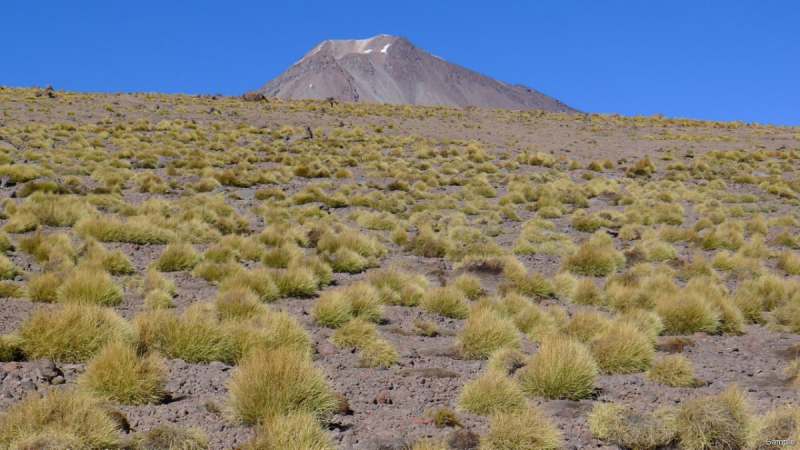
[{"x": 388, "y": 69}]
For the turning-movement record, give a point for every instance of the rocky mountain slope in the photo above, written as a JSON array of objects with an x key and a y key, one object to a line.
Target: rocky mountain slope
[{"x": 388, "y": 69}]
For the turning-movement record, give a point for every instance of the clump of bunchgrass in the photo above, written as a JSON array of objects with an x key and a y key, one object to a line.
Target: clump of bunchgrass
[
  {"x": 447, "y": 301},
  {"x": 378, "y": 353},
  {"x": 489, "y": 393},
  {"x": 595, "y": 257},
  {"x": 398, "y": 287},
  {"x": 170, "y": 437},
  {"x": 194, "y": 336},
  {"x": 274, "y": 383},
  {"x": 484, "y": 332},
  {"x": 622, "y": 348},
  {"x": 176, "y": 257},
  {"x": 71, "y": 334},
  {"x": 296, "y": 430},
  {"x": 719, "y": 421},
  {"x": 118, "y": 374},
  {"x": 672, "y": 370},
  {"x": 59, "y": 419},
  {"x": 524, "y": 429},
  {"x": 87, "y": 285},
  {"x": 562, "y": 368},
  {"x": 618, "y": 424}
]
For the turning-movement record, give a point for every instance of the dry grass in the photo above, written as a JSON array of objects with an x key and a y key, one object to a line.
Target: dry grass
[
  {"x": 194, "y": 336},
  {"x": 780, "y": 424},
  {"x": 720, "y": 421},
  {"x": 525, "y": 429},
  {"x": 71, "y": 334},
  {"x": 489, "y": 393},
  {"x": 355, "y": 332},
  {"x": 378, "y": 353},
  {"x": 89, "y": 286},
  {"x": 562, "y": 368},
  {"x": 270, "y": 384},
  {"x": 170, "y": 437},
  {"x": 296, "y": 430},
  {"x": 620, "y": 425},
  {"x": 595, "y": 257},
  {"x": 176, "y": 257},
  {"x": 622, "y": 348},
  {"x": 485, "y": 332},
  {"x": 688, "y": 313},
  {"x": 117, "y": 374},
  {"x": 59, "y": 419},
  {"x": 672, "y": 370},
  {"x": 447, "y": 301}
]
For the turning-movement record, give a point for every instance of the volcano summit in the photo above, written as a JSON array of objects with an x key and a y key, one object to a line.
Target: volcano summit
[{"x": 389, "y": 69}]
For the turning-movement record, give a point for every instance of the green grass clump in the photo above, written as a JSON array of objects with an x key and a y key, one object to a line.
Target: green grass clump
[
  {"x": 485, "y": 332},
  {"x": 71, "y": 334},
  {"x": 114, "y": 262},
  {"x": 9, "y": 348},
  {"x": 7, "y": 269},
  {"x": 448, "y": 301},
  {"x": 782, "y": 423},
  {"x": 237, "y": 304},
  {"x": 295, "y": 430},
  {"x": 622, "y": 348},
  {"x": 524, "y": 429},
  {"x": 117, "y": 374},
  {"x": 490, "y": 393},
  {"x": 194, "y": 336},
  {"x": 177, "y": 256},
  {"x": 267, "y": 330},
  {"x": 87, "y": 285},
  {"x": 687, "y": 313},
  {"x": 620, "y": 425},
  {"x": 506, "y": 360},
  {"x": 44, "y": 287},
  {"x": 269, "y": 384},
  {"x": 596, "y": 258},
  {"x": 355, "y": 332},
  {"x": 259, "y": 281},
  {"x": 672, "y": 370},
  {"x": 134, "y": 230},
  {"x": 332, "y": 309},
  {"x": 470, "y": 285},
  {"x": 170, "y": 437},
  {"x": 296, "y": 281},
  {"x": 398, "y": 287},
  {"x": 720, "y": 421},
  {"x": 562, "y": 368},
  {"x": 59, "y": 419},
  {"x": 586, "y": 324},
  {"x": 378, "y": 353}
]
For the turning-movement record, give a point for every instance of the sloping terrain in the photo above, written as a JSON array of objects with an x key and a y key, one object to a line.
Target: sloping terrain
[
  {"x": 430, "y": 277},
  {"x": 388, "y": 69}
]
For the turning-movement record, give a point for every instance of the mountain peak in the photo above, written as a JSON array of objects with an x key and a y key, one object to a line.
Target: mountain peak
[{"x": 389, "y": 69}]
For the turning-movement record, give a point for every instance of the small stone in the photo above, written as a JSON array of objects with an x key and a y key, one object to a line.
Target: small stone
[
  {"x": 423, "y": 420},
  {"x": 47, "y": 369},
  {"x": 174, "y": 385},
  {"x": 27, "y": 385},
  {"x": 326, "y": 349},
  {"x": 254, "y": 96},
  {"x": 383, "y": 398},
  {"x": 10, "y": 367},
  {"x": 217, "y": 365},
  {"x": 57, "y": 380}
]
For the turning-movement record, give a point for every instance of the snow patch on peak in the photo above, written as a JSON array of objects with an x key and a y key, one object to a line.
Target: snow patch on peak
[
  {"x": 368, "y": 51},
  {"x": 385, "y": 48}
]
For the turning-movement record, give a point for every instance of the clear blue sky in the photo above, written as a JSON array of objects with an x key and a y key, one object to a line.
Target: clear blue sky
[{"x": 724, "y": 60}]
